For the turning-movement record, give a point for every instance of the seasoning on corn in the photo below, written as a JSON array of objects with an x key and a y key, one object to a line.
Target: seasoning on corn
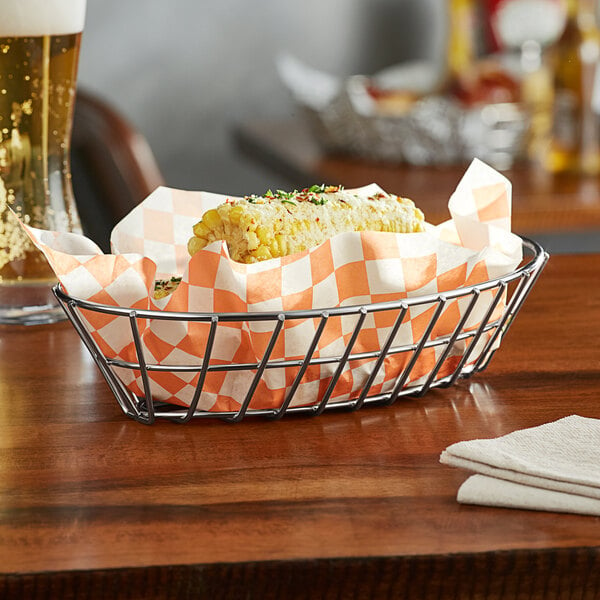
[{"x": 280, "y": 223}]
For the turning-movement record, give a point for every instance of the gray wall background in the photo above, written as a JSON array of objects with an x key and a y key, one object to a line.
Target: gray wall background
[{"x": 185, "y": 71}]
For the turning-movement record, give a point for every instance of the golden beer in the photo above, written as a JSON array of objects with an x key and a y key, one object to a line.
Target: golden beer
[{"x": 38, "y": 69}]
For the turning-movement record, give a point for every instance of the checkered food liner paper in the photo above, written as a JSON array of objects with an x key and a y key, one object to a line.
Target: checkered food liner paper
[{"x": 360, "y": 268}]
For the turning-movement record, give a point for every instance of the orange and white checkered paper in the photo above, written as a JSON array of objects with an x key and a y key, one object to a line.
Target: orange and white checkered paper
[{"x": 350, "y": 269}]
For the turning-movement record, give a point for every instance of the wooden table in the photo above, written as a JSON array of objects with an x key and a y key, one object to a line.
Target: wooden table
[
  {"x": 541, "y": 202},
  {"x": 344, "y": 505}
]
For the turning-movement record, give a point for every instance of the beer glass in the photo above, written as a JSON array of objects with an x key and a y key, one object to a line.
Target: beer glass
[{"x": 39, "y": 51}]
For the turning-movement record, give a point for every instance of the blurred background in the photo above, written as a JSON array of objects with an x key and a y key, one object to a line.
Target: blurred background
[
  {"x": 418, "y": 83},
  {"x": 184, "y": 72}
]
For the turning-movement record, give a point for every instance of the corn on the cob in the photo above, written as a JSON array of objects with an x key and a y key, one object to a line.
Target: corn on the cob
[{"x": 257, "y": 228}]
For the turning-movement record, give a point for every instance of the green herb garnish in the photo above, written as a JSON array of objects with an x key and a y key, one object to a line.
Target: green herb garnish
[{"x": 313, "y": 194}]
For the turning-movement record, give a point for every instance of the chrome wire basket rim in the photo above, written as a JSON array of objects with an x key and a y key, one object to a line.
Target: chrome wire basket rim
[{"x": 538, "y": 257}]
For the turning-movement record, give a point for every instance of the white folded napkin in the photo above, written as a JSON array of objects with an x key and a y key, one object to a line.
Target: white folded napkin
[{"x": 553, "y": 467}]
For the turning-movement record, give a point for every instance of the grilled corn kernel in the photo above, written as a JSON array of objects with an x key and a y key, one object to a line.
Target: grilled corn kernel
[
  {"x": 262, "y": 253},
  {"x": 263, "y": 233},
  {"x": 282, "y": 244},
  {"x": 212, "y": 219},
  {"x": 201, "y": 230},
  {"x": 236, "y": 213},
  {"x": 195, "y": 244},
  {"x": 253, "y": 240}
]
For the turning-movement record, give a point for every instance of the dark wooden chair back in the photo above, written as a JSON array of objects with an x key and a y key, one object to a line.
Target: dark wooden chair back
[{"x": 112, "y": 164}]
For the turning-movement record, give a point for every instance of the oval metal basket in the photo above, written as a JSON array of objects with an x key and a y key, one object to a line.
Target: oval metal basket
[{"x": 478, "y": 346}]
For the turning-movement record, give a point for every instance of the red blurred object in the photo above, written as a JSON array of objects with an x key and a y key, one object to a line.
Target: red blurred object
[
  {"x": 486, "y": 83},
  {"x": 491, "y": 6}
]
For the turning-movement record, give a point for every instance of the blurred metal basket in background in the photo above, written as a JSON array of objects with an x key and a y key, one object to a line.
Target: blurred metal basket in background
[
  {"x": 512, "y": 289},
  {"x": 436, "y": 129}
]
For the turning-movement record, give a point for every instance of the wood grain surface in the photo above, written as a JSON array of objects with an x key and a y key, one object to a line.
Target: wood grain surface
[{"x": 344, "y": 505}]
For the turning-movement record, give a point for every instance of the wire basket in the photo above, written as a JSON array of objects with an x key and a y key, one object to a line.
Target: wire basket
[{"x": 479, "y": 344}]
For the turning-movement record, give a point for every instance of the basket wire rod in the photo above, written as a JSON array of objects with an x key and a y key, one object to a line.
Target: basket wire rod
[
  {"x": 362, "y": 315},
  {"x": 502, "y": 285},
  {"x": 202, "y": 376},
  {"x": 382, "y": 356},
  {"x": 278, "y": 364},
  {"x": 517, "y": 301},
  {"x": 488, "y": 351},
  {"x": 278, "y": 413},
  {"x": 413, "y": 361},
  {"x": 261, "y": 367},
  {"x": 450, "y": 343},
  {"x": 148, "y": 418},
  {"x": 123, "y": 396}
]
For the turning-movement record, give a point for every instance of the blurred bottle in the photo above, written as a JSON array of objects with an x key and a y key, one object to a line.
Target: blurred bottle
[
  {"x": 464, "y": 36},
  {"x": 575, "y": 143},
  {"x": 537, "y": 95},
  {"x": 589, "y": 54},
  {"x": 524, "y": 30}
]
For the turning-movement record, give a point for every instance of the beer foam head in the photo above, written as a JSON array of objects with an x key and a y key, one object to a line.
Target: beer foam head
[{"x": 41, "y": 17}]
